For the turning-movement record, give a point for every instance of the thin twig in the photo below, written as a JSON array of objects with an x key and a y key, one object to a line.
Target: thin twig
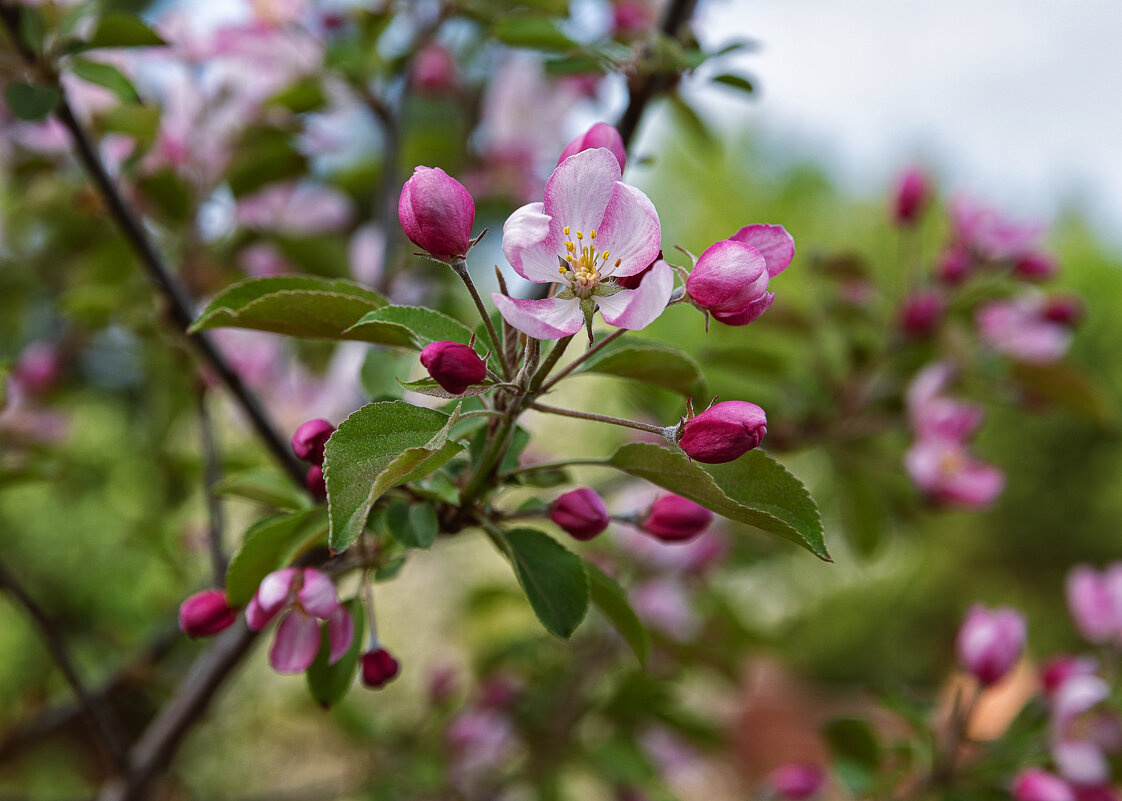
[
  {"x": 602, "y": 418},
  {"x": 110, "y": 737},
  {"x": 459, "y": 266},
  {"x": 558, "y": 465},
  {"x": 212, "y": 474},
  {"x": 550, "y": 361}
]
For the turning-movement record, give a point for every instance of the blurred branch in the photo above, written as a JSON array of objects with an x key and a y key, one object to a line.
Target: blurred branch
[
  {"x": 110, "y": 737},
  {"x": 644, "y": 88},
  {"x": 180, "y": 305},
  {"x": 212, "y": 474}
]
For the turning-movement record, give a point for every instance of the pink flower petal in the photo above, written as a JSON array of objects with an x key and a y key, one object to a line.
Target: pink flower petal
[
  {"x": 637, "y": 308},
  {"x": 255, "y": 617},
  {"x": 630, "y": 231},
  {"x": 528, "y": 245},
  {"x": 296, "y": 643},
  {"x": 274, "y": 590},
  {"x": 549, "y": 318},
  {"x": 578, "y": 192},
  {"x": 1081, "y": 762},
  {"x": 774, "y": 243},
  {"x": 340, "y": 633},
  {"x": 317, "y": 596}
]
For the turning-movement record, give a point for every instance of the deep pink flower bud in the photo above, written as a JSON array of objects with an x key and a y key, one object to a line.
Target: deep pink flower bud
[
  {"x": 1064, "y": 309},
  {"x": 1035, "y": 267},
  {"x": 911, "y": 198},
  {"x": 954, "y": 265},
  {"x": 453, "y": 365},
  {"x": 632, "y": 18},
  {"x": 730, "y": 282},
  {"x": 673, "y": 518},
  {"x": 797, "y": 781},
  {"x": 309, "y": 439},
  {"x": 205, "y": 613},
  {"x": 581, "y": 513},
  {"x": 1035, "y": 784},
  {"x": 1057, "y": 670},
  {"x": 437, "y": 213},
  {"x": 315, "y": 481},
  {"x": 723, "y": 432},
  {"x": 922, "y": 313},
  {"x": 38, "y": 368},
  {"x": 434, "y": 69},
  {"x": 990, "y": 642},
  {"x": 599, "y": 135},
  {"x": 378, "y": 668}
]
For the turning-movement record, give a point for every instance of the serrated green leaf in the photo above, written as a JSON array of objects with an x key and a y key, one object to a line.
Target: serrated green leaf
[
  {"x": 296, "y": 305},
  {"x": 123, "y": 30},
  {"x": 105, "y": 75},
  {"x": 413, "y": 525},
  {"x": 736, "y": 82},
  {"x": 408, "y": 327},
  {"x": 612, "y": 602},
  {"x": 531, "y": 30},
  {"x": 754, "y": 489},
  {"x": 651, "y": 363},
  {"x": 269, "y": 545},
  {"x": 31, "y": 102},
  {"x": 554, "y": 579},
  {"x": 428, "y": 386},
  {"x": 378, "y": 447},
  {"x": 266, "y": 486},
  {"x": 327, "y": 683}
]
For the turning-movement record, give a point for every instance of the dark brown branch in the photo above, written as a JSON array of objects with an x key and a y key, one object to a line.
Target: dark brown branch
[
  {"x": 110, "y": 737},
  {"x": 212, "y": 474}
]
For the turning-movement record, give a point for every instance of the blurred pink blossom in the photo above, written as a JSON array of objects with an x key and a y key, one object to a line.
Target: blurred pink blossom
[
  {"x": 665, "y": 605},
  {"x": 947, "y": 472},
  {"x": 306, "y": 598},
  {"x": 1020, "y": 329},
  {"x": 295, "y": 208},
  {"x": 1094, "y": 600},
  {"x": 991, "y": 236}
]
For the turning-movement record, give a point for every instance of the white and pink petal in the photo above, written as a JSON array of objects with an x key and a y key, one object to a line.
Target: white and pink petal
[
  {"x": 548, "y": 318},
  {"x": 529, "y": 245},
  {"x": 630, "y": 231},
  {"x": 296, "y": 643},
  {"x": 634, "y": 309},
  {"x": 774, "y": 243},
  {"x": 578, "y": 192}
]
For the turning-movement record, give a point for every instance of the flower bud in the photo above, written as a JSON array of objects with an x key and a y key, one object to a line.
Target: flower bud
[
  {"x": 581, "y": 513},
  {"x": 921, "y": 314},
  {"x": 437, "y": 213},
  {"x": 1063, "y": 309},
  {"x": 205, "y": 613},
  {"x": 723, "y": 432},
  {"x": 1094, "y": 600},
  {"x": 434, "y": 69},
  {"x": 1035, "y": 267},
  {"x": 453, "y": 365},
  {"x": 315, "y": 481},
  {"x": 990, "y": 642},
  {"x": 797, "y": 781},
  {"x": 730, "y": 282},
  {"x": 1035, "y": 784},
  {"x": 954, "y": 265},
  {"x": 310, "y": 438},
  {"x": 673, "y": 518},
  {"x": 599, "y": 135},
  {"x": 378, "y": 668},
  {"x": 38, "y": 368},
  {"x": 911, "y": 198}
]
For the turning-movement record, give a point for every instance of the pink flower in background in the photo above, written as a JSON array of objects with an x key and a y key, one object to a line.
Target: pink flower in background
[
  {"x": 922, "y": 313},
  {"x": 38, "y": 368},
  {"x": 664, "y": 604},
  {"x": 365, "y": 254},
  {"x": 479, "y": 741},
  {"x": 945, "y": 470},
  {"x": 263, "y": 259},
  {"x": 295, "y": 208},
  {"x": 1021, "y": 330},
  {"x": 797, "y": 781},
  {"x": 1056, "y": 671},
  {"x": 1035, "y": 784},
  {"x": 591, "y": 228},
  {"x": 911, "y": 197},
  {"x": 632, "y": 18},
  {"x": 1094, "y": 600},
  {"x": 599, "y": 135},
  {"x": 1035, "y": 266},
  {"x": 1082, "y": 732},
  {"x": 933, "y": 414},
  {"x": 988, "y": 234},
  {"x": 307, "y": 600},
  {"x": 434, "y": 69},
  {"x": 954, "y": 265},
  {"x": 990, "y": 642}
]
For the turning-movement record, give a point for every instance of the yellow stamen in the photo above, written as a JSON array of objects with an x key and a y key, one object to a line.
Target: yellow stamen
[
  {"x": 592, "y": 233},
  {"x": 566, "y": 229},
  {"x": 580, "y": 235}
]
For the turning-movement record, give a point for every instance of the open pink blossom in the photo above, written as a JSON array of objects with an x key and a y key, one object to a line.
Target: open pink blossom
[
  {"x": 989, "y": 235},
  {"x": 944, "y": 469},
  {"x": 295, "y": 208},
  {"x": 1020, "y": 329},
  {"x": 307, "y": 599},
  {"x": 1082, "y": 732},
  {"x": 932, "y": 413},
  {"x": 1094, "y": 600},
  {"x": 591, "y": 229}
]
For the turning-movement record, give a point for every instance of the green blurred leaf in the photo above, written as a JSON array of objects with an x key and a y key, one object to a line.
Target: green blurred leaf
[
  {"x": 269, "y": 545},
  {"x": 31, "y": 102},
  {"x": 651, "y": 363},
  {"x": 105, "y": 75},
  {"x": 1068, "y": 386},
  {"x": 301, "y": 97},
  {"x": 264, "y": 485},
  {"x": 407, "y": 327},
  {"x": 736, "y": 82},
  {"x": 264, "y": 156},
  {"x": 612, "y": 602},
  {"x": 378, "y": 447},
  {"x": 554, "y": 579},
  {"x": 853, "y": 739},
  {"x": 296, "y": 305},
  {"x": 140, "y": 122},
  {"x": 123, "y": 30},
  {"x": 414, "y": 525},
  {"x": 328, "y": 684},
  {"x": 531, "y": 30},
  {"x": 754, "y": 489},
  {"x": 168, "y": 192}
]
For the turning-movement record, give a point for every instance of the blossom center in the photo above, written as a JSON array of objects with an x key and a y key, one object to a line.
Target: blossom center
[
  {"x": 951, "y": 462},
  {"x": 582, "y": 263}
]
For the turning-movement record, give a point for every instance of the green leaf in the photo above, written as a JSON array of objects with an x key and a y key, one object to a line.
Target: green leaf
[
  {"x": 269, "y": 545},
  {"x": 378, "y": 447},
  {"x": 263, "y": 156},
  {"x": 531, "y": 30},
  {"x": 296, "y": 305},
  {"x": 105, "y": 75},
  {"x": 123, "y": 30},
  {"x": 301, "y": 97},
  {"x": 167, "y": 191},
  {"x": 139, "y": 122},
  {"x": 612, "y": 602},
  {"x": 428, "y": 386},
  {"x": 329, "y": 683},
  {"x": 651, "y": 363},
  {"x": 408, "y": 327},
  {"x": 554, "y": 579},
  {"x": 736, "y": 82},
  {"x": 266, "y": 486},
  {"x": 853, "y": 739},
  {"x": 1067, "y": 385},
  {"x": 754, "y": 489},
  {"x": 31, "y": 101},
  {"x": 413, "y": 525}
]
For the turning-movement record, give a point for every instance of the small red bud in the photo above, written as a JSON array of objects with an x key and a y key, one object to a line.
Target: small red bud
[
  {"x": 724, "y": 432},
  {"x": 205, "y": 613},
  {"x": 453, "y": 365},
  {"x": 673, "y": 518},
  {"x": 1064, "y": 309},
  {"x": 922, "y": 313},
  {"x": 580, "y": 513},
  {"x": 911, "y": 198},
  {"x": 315, "y": 481},
  {"x": 797, "y": 781},
  {"x": 730, "y": 282},
  {"x": 310, "y": 438},
  {"x": 378, "y": 668},
  {"x": 1035, "y": 267}
]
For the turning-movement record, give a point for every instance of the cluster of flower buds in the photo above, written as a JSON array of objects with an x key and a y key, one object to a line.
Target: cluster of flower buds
[
  {"x": 730, "y": 279},
  {"x": 308, "y": 443}
]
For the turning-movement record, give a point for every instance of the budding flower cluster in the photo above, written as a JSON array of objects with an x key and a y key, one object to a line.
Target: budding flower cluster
[{"x": 308, "y": 443}]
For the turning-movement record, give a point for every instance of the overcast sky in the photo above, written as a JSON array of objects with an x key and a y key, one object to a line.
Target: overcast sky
[{"x": 1018, "y": 101}]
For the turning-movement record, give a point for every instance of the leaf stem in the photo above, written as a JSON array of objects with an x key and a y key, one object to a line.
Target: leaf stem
[{"x": 459, "y": 266}]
